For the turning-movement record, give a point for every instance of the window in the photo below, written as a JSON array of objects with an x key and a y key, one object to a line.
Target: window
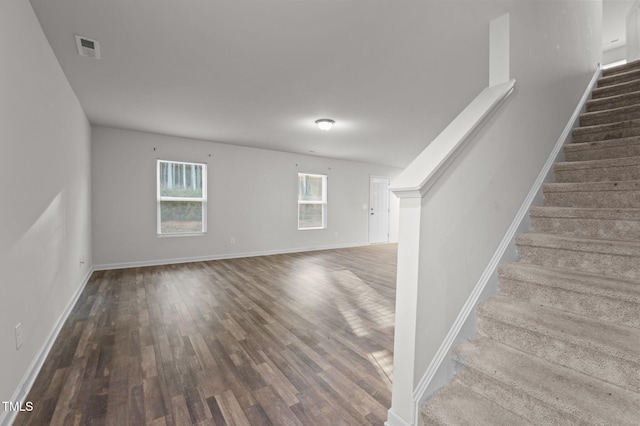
[
  {"x": 182, "y": 198},
  {"x": 312, "y": 201}
]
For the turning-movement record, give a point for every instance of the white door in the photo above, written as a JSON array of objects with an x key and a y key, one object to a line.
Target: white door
[{"x": 378, "y": 209}]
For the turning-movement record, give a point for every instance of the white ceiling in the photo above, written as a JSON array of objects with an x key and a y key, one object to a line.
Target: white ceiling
[
  {"x": 253, "y": 73},
  {"x": 259, "y": 73}
]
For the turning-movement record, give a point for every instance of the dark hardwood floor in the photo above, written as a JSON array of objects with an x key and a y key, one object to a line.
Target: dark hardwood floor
[{"x": 295, "y": 339}]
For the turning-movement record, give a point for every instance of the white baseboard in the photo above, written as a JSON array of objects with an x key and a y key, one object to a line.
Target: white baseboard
[
  {"x": 144, "y": 263},
  {"x": 395, "y": 420},
  {"x": 21, "y": 392},
  {"x": 504, "y": 253}
]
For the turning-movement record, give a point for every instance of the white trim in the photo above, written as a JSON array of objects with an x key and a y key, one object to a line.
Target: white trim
[
  {"x": 159, "y": 262},
  {"x": 324, "y": 202},
  {"x": 499, "y": 255},
  {"x": 394, "y": 420},
  {"x": 160, "y": 198},
  {"x": 22, "y": 391}
]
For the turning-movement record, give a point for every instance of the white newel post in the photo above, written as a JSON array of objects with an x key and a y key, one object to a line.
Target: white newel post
[{"x": 402, "y": 404}]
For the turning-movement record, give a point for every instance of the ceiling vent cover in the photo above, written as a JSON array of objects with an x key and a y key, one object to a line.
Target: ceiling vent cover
[{"x": 88, "y": 47}]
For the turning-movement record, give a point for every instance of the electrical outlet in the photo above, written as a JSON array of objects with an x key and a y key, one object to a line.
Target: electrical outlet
[
  {"x": 81, "y": 260},
  {"x": 232, "y": 240},
  {"x": 18, "y": 336}
]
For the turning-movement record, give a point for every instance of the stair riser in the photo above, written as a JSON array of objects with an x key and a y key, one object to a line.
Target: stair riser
[
  {"x": 629, "y": 113},
  {"x": 518, "y": 401},
  {"x": 605, "y": 229},
  {"x": 610, "y": 265},
  {"x": 597, "y": 199},
  {"x": 603, "y": 308},
  {"x": 623, "y": 89},
  {"x": 597, "y": 174},
  {"x": 617, "y": 371},
  {"x": 603, "y": 151},
  {"x": 597, "y": 135}
]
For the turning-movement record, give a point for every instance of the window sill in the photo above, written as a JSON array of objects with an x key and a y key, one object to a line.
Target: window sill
[{"x": 195, "y": 234}]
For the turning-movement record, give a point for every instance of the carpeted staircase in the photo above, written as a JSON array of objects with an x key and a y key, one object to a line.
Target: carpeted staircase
[{"x": 560, "y": 343}]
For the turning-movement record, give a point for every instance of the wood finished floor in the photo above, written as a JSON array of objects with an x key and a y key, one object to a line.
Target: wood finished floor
[{"x": 295, "y": 339}]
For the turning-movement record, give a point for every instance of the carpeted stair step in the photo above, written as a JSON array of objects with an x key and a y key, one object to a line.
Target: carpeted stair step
[
  {"x": 605, "y": 299},
  {"x": 619, "y": 194},
  {"x": 610, "y": 102},
  {"x": 598, "y": 223},
  {"x": 458, "y": 405},
  {"x": 616, "y": 89},
  {"x": 600, "y": 349},
  {"x": 543, "y": 393},
  {"x": 606, "y": 170},
  {"x": 621, "y": 68},
  {"x": 617, "y": 259},
  {"x": 614, "y": 115},
  {"x": 619, "y": 77},
  {"x": 600, "y": 150},
  {"x": 618, "y": 130}
]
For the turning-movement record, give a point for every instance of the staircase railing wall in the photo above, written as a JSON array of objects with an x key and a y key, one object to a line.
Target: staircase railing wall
[{"x": 436, "y": 298}]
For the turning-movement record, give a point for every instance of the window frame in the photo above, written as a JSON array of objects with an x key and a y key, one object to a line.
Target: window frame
[
  {"x": 323, "y": 202},
  {"x": 160, "y": 198}
]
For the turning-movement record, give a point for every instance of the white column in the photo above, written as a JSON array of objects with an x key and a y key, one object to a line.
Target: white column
[{"x": 499, "y": 50}]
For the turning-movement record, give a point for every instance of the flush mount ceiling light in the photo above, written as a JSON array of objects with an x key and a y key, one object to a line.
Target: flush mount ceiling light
[{"x": 325, "y": 123}]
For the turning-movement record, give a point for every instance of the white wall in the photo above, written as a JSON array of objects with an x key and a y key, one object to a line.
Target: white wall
[
  {"x": 633, "y": 32},
  {"x": 252, "y": 197},
  {"x": 555, "y": 47},
  {"x": 45, "y": 225},
  {"x": 614, "y": 55}
]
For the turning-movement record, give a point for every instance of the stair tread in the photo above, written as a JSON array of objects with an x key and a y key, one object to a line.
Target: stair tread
[
  {"x": 605, "y": 143},
  {"x": 609, "y": 338},
  {"x": 597, "y": 128},
  {"x": 621, "y": 68},
  {"x": 612, "y": 258},
  {"x": 459, "y": 405},
  {"x": 586, "y": 213},
  {"x": 615, "y": 288},
  {"x": 613, "y": 112},
  {"x": 604, "y": 163},
  {"x": 603, "y": 103},
  {"x": 623, "y": 185},
  {"x": 583, "y": 397},
  {"x": 626, "y": 75},
  {"x": 628, "y": 248},
  {"x": 615, "y": 300},
  {"x": 619, "y": 88}
]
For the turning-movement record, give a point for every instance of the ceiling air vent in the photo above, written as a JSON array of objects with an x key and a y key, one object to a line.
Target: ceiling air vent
[{"x": 88, "y": 47}]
